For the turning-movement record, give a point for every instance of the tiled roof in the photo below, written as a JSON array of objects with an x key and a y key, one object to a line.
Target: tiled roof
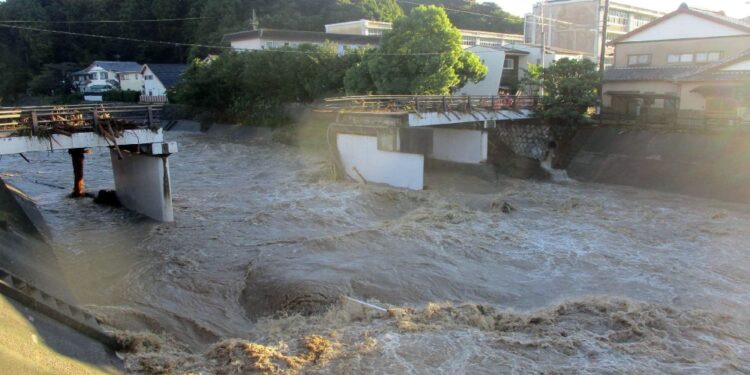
[
  {"x": 656, "y": 73},
  {"x": 706, "y": 70},
  {"x": 119, "y": 66},
  {"x": 168, "y": 74}
]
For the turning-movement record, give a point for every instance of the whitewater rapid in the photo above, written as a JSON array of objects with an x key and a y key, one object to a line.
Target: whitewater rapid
[{"x": 478, "y": 276}]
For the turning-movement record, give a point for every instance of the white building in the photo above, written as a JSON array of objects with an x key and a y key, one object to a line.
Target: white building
[
  {"x": 103, "y": 76},
  {"x": 576, "y": 25},
  {"x": 159, "y": 78},
  {"x": 469, "y": 38},
  {"x": 263, "y": 39}
]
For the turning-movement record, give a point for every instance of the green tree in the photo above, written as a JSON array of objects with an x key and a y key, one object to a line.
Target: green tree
[
  {"x": 421, "y": 55},
  {"x": 570, "y": 89},
  {"x": 474, "y": 15}
]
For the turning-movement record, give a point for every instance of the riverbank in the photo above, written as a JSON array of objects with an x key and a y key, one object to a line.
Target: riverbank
[{"x": 30, "y": 342}]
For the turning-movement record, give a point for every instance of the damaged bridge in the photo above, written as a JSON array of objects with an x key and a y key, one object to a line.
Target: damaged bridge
[
  {"x": 385, "y": 139},
  {"x": 138, "y": 151}
]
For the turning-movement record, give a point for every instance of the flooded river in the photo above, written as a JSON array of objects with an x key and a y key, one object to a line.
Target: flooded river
[{"x": 476, "y": 276}]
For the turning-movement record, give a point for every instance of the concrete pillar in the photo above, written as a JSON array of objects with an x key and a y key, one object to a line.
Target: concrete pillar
[
  {"x": 459, "y": 145},
  {"x": 362, "y": 161},
  {"x": 142, "y": 180},
  {"x": 79, "y": 185}
]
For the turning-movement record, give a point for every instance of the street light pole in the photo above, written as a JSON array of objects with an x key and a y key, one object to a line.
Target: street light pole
[{"x": 544, "y": 49}]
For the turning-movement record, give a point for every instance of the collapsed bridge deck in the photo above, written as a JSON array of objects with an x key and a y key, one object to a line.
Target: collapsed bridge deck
[{"x": 132, "y": 132}]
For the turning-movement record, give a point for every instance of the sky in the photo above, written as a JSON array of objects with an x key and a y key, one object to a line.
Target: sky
[{"x": 733, "y": 8}]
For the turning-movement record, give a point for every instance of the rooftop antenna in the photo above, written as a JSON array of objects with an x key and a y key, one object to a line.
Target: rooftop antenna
[{"x": 254, "y": 22}]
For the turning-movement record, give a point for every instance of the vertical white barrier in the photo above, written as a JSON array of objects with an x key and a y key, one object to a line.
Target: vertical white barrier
[
  {"x": 362, "y": 160},
  {"x": 143, "y": 185},
  {"x": 460, "y": 146}
]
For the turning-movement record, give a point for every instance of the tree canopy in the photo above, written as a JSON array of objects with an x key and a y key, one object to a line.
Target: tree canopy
[
  {"x": 570, "y": 89},
  {"x": 421, "y": 55},
  {"x": 26, "y": 52}
]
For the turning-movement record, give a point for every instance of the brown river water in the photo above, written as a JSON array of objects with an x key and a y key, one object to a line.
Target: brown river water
[{"x": 578, "y": 278}]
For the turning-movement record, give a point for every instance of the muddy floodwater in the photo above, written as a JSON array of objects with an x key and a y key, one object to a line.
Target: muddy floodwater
[{"x": 479, "y": 277}]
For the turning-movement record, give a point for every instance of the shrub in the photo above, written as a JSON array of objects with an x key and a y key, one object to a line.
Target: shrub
[{"x": 126, "y": 96}]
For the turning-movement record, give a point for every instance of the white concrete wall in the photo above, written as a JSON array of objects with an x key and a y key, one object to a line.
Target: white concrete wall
[
  {"x": 247, "y": 44},
  {"x": 458, "y": 145},
  {"x": 360, "y": 158},
  {"x": 740, "y": 66},
  {"x": 684, "y": 26},
  {"x": 494, "y": 61},
  {"x": 152, "y": 87},
  {"x": 134, "y": 82},
  {"x": 143, "y": 184}
]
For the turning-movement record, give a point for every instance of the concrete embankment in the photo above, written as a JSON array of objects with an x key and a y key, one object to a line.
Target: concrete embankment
[
  {"x": 32, "y": 342},
  {"x": 711, "y": 165}
]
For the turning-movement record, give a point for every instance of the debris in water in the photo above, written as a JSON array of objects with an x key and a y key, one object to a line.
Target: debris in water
[
  {"x": 108, "y": 198},
  {"x": 502, "y": 206}
]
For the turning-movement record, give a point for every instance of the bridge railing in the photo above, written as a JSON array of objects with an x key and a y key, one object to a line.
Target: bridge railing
[
  {"x": 75, "y": 118},
  {"x": 427, "y": 103}
]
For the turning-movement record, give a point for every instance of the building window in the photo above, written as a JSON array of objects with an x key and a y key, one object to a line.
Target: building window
[
  {"x": 714, "y": 56},
  {"x": 148, "y": 77},
  {"x": 103, "y": 75},
  {"x": 683, "y": 58},
  {"x": 639, "y": 60},
  {"x": 617, "y": 17},
  {"x": 639, "y": 20},
  {"x": 509, "y": 64}
]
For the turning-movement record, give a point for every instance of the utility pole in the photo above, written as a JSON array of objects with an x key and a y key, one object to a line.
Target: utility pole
[
  {"x": 254, "y": 21},
  {"x": 544, "y": 49},
  {"x": 603, "y": 55}
]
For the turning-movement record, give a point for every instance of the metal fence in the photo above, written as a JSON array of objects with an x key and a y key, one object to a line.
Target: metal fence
[
  {"x": 81, "y": 117},
  {"x": 422, "y": 103}
]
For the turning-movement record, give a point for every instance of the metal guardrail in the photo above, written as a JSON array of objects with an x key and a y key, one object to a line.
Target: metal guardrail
[
  {"x": 427, "y": 103},
  {"x": 81, "y": 117}
]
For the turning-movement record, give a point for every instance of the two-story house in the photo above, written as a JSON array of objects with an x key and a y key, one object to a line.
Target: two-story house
[
  {"x": 686, "y": 65},
  {"x": 103, "y": 76}
]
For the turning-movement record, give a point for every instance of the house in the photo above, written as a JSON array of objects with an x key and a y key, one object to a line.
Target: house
[
  {"x": 508, "y": 65},
  {"x": 682, "y": 67},
  {"x": 160, "y": 78},
  {"x": 263, "y": 39},
  {"x": 469, "y": 38},
  {"x": 575, "y": 25},
  {"x": 103, "y": 76},
  {"x": 494, "y": 59}
]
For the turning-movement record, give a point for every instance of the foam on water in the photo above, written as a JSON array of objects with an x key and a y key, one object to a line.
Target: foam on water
[{"x": 264, "y": 245}]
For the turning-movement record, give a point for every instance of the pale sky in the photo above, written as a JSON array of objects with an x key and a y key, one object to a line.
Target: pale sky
[{"x": 733, "y": 8}]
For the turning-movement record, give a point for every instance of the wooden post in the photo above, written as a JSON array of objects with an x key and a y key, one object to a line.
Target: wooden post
[
  {"x": 79, "y": 186},
  {"x": 150, "y": 117},
  {"x": 34, "y": 123},
  {"x": 95, "y": 121}
]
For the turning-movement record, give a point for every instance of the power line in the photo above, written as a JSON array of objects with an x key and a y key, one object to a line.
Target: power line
[
  {"x": 497, "y": 17},
  {"x": 210, "y": 46},
  {"x": 108, "y": 21},
  {"x": 455, "y": 10}
]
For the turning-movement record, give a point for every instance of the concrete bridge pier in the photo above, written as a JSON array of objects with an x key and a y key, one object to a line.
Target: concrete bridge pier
[
  {"x": 459, "y": 145},
  {"x": 142, "y": 181},
  {"x": 382, "y": 148}
]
